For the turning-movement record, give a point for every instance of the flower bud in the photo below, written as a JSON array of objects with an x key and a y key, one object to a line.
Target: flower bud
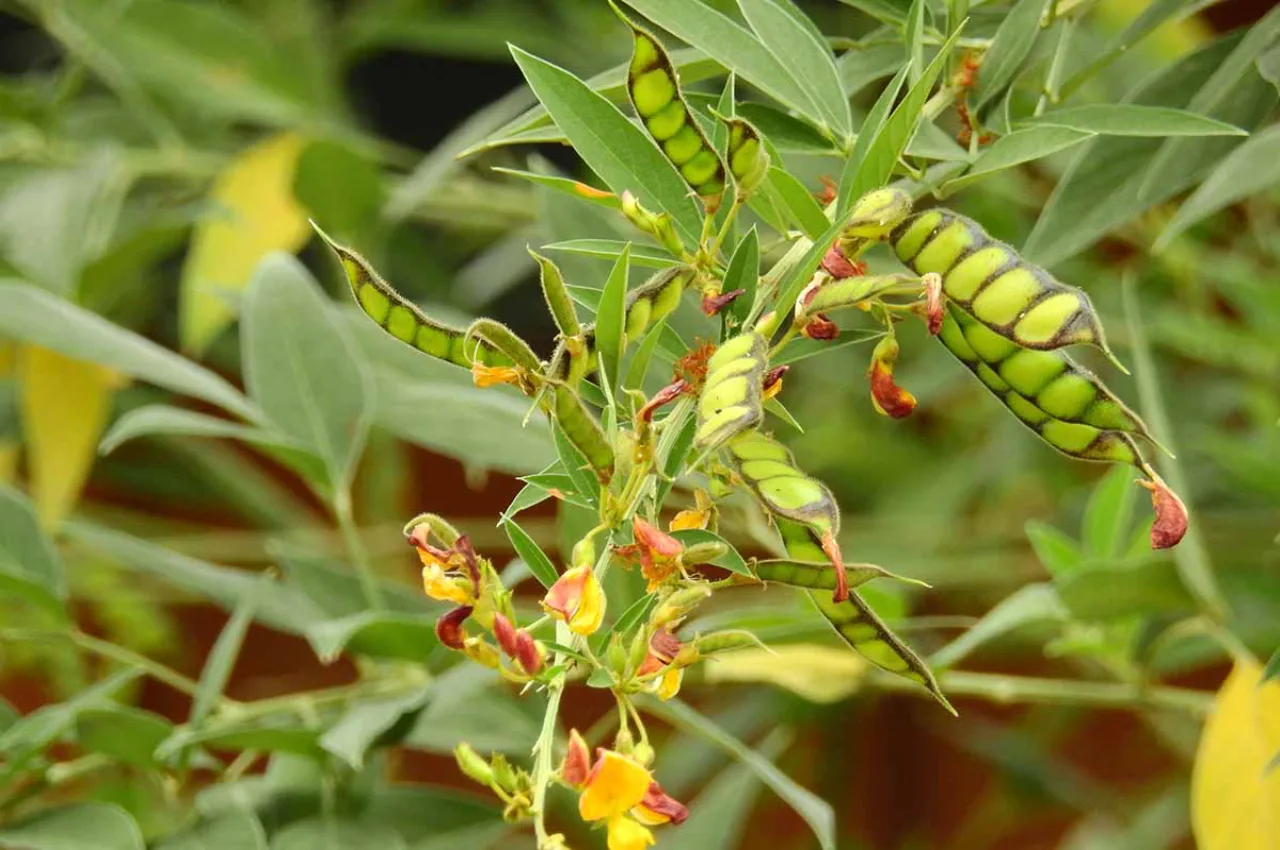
[
  {"x": 503, "y": 773},
  {"x": 643, "y": 753},
  {"x": 528, "y": 653},
  {"x": 704, "y": 553},
  {"x": 449, "y": 629},
  {"x": 577, "y": 761},
  {"x": 506, "y": 635},
  {"x": 875, "y": 214},
  {"x": 679, "y": 604},
  {"x": 616, "y": 656},
  {"x": 472, "y": 765},
  {"x": 713, "y": 304},
  {"x": 584, "y": 552},
  {"x": 657, "y": 225},
  {"x": 577, "y": 599},
  {"x": 888, "y": 398}
]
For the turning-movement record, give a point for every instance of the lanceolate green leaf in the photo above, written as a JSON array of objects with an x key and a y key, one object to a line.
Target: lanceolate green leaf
[
  {"x": 867, "y": 134},
  {"x": 1009, "y": 48},
  {"x": 733, "y": 47},
  {"x": 40, "y": 318},
  {"x": 615, "y": 149},
  {"x": 533, "y": 556},
  {"x": 1155, "y": 14},
  {"x": 317, "y": 394},
  {"x": 611, "y": 249},
  {"x": 1252, "y": 168},
  {"x": 860, "y": 67},
  {"x": 222, "y": 658},
  {"x": 1025, "y": 145},
  {"x": 913, "y": 40},
  {"x": 804, "y": 54},
  {"x": 877, "y": 166},
  {"x": 1211, "y": 98},
  {"x": 1129, "y": 119},
  {"x": 744, "y": 273},
  {"x": 611, "y": 315},
  {"x": 29, "y": 566},
  {"x": 800, "y": 205}
]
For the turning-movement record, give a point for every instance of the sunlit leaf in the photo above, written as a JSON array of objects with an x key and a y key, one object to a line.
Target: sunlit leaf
[
  {"x": 252, "y": 212},
  {"x": 1009, "y": 47}
]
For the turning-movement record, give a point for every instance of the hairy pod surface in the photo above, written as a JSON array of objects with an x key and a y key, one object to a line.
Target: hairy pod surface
[
  {"x": 767, "y": 467},
  {"x": 858, "y": 625},
  {"x": 406, "y": 321},
  {"x": 654, "y": 89},
  {"x": 557, "y": 296},
  {"x": 732, "y": 400},
  {"x": 816, "y": 575},
  {"x": 848, "y": 292},
  {"x": 1064, "y": 403},
  {"x": 583, "y": 431},
  {"x": 496, "y": 335},
  {"x": 874, "y": 216},
  {"x": 986, "y": 277}
]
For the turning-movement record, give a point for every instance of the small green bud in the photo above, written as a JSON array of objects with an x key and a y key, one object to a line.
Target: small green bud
[
  {"x": 616, "y": 656},
  {"x": 680, "y": 603},
  {"x": 472, "y": 765},
  {"x": 584, "y": 552},
  {"x": 504, "y": 774},
  {"x": 639, "y": 649},
  {"x": 875, "y": 214},
  {"x": 643, "y": 753}
]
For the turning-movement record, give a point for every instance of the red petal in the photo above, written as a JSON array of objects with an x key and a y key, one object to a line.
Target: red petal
[{"x": 449, "y": 626}]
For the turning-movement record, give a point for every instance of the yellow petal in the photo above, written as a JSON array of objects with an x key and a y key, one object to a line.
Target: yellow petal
[
  {"x": 669, "y": 683},
  {"x": 437, "y": 585},
  {"x": 65, "y": 404},
  {"x": 689, "y": 519},
  {"x": 488, "y": 376},
  {"x": 253, "y": 213},
  {"x": 590, "y": 613},
  {"x": 821, "y": 674},
  {"x": 626, "y": 834},
  {"x": 1235, "y": 798},
  {"x": 615, "y": 785}
]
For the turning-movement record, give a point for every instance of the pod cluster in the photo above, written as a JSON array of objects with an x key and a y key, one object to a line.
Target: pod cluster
[
  {"x": 731, "y": 400},
  {"x": 990, "y": 281}
]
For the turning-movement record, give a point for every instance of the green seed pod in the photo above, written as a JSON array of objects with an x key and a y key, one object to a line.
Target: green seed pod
[
  {"x": 769, "y": 470},
  {"x": 494, "y": 334},
  {"x": 858, "y": 625},
  {"x": 472, "y": 765},
  {"x": 875, "y": 215},
  {"x": 678, "y": 604},
  {"x": 557, "y": 296},
  {"x": 731, "y": 399},
  {"x": 583, "y": 431},
  {"x": 1064, "y": 403},
  {"x": 718, "y": 643},
  {"x": 405, "y": 320},
  {"x": 704, "y": 553},
  {"x": 848, "y": 292},
  {"x": 748, "y": 158},
  {"x": 438, "y": 525},
  {"x": 818, "y": 575},
  {"x": 654, "y": 89},
  {"x": 1019, "y": 301}
]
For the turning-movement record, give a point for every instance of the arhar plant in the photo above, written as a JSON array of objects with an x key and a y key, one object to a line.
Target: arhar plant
[{"x": 669, "y": 445}]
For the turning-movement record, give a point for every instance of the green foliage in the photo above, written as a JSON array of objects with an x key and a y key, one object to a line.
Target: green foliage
[{"x": 219, "y": 128}]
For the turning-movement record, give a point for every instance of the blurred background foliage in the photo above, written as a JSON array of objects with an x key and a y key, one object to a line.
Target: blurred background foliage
[{"x": 153, "y": 152}]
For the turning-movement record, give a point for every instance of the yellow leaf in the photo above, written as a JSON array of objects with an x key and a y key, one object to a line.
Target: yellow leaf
[
  {"x": 65, "y": 404},
  {"x": 817, "y": 673},
  {"x": 253, "y": 213},
  {"x": 1235, "y": 799}
]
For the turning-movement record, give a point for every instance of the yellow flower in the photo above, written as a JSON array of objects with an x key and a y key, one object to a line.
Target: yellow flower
[
  {"x": 626, "y": 834},
  {"x": 489, "y": 376},
  {"x": 669, "y": 683},
  {"x": 615, "y": 785},
  {"x": 697, "y": 517},
  {"x": 578, "y": 599},
  {"x": 439, "y": 585}
]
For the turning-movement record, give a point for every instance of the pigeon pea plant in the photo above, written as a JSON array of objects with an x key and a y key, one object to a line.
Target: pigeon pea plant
[
  {"x": 623, "y": 448},
  {"x": 664, "y": 400}
]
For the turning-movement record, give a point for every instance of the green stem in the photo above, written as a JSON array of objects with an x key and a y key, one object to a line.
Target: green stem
[
  {"x": 728, "y": 223},
  {"x": 544, "y": 750},
  {"x": 107, "y": 649},
  {"x": 1002, "y": 689},
  {"x": 355, "y": 548}
]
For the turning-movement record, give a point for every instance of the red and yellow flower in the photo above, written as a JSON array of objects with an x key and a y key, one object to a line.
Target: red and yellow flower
[{"x": 577, "y": 599}]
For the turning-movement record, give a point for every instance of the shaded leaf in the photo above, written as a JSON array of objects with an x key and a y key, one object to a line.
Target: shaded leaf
[
  {"x": 867, "y": 133},
  {"x": 1030, "y": 605},
  {"x": 1108, "y": 514},
  {"x": 102, "y": 826},
  {"x": 29, "y": 566},
  {"x": 238, "y": 829},
  {"x": 1131, "y": 119},
  {"x": 611, "y": 338},
  {"x": 339, "y": 186},
  {"x": 352, "y": 736},
  {"x": 222, "y": 657},
  {"x": 1025, "y": 145},
  {"x": 1057, "y": 552},
  {"x": 122, "y": 732},
  {"x": 744, "y": 273},
  {"x": 1009, "y": 48},
  {"x": 801, "y": 206},
  {"x": 610, "y": 249},
  {"x": 381, "y": 634}
]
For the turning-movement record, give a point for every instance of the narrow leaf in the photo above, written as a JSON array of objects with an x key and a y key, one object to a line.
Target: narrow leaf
[
  {"x": 1009, "y": 47},
  {"x": 611, "y": 314},
  {"x": 871, "y": 126},
  {"x": 1130, "y": 119},
  {"x": 1024, "y": 145},
  {"x": 529, "y": 551},
  {"x": 744, "y": 273},
  {"x": 802, "y": 207},
  {"x": 1030, "y": 605},
  {"x": 614, "y": 148},
  {"x": 1057, "y": 552},
  {"x": 222, "y": 658},
  {"x": 29, "y": 566},
  {"x": 611, "y": 249}
]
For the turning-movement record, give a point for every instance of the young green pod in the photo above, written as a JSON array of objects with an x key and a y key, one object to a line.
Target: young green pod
[
  {"x": 654, "y": 89},
  {"x": 818, "y": 575},
  {"x": 874, "y": 216},
  {"x": 557, "y": 297},
  {"x": 829, "y": 296},
  {"x": 731, "y": 399},
  {"x": 858, "y": 625},
  {"x": 405, "y": 320},
  {"x": 494, "y": 334},
  {"x": 767, "y": 468},
  {"x": 583, "y": 431},
  {"x": 748, "y": 158},
  {"x": 1019, "y": 301},
  {"x": 1041, "y": 387}
]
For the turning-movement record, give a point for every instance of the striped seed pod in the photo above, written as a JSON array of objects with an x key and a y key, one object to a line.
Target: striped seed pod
[
  {"x": 497, "y": 335},
  {"x": 557, "y": 297},
  {"x": 405, "y": 320},
  {"x": 818, "y": 575},
  {"x": 1049, "y": 392},
  {"x": 874, "y": 216},
  {"x": 748, "y": 159},
  {"x": 1019, "y": 301},
  {"x": 831, "y": 295},
  {"x": 731, "y": 398},
  {"x": 860, "y": 626},
  {"x": 646, "y": 305},
  {"x": 654, "y": 89},
  {"x": 767, "y": 468},
  {"x": 583, "y": 431}
]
